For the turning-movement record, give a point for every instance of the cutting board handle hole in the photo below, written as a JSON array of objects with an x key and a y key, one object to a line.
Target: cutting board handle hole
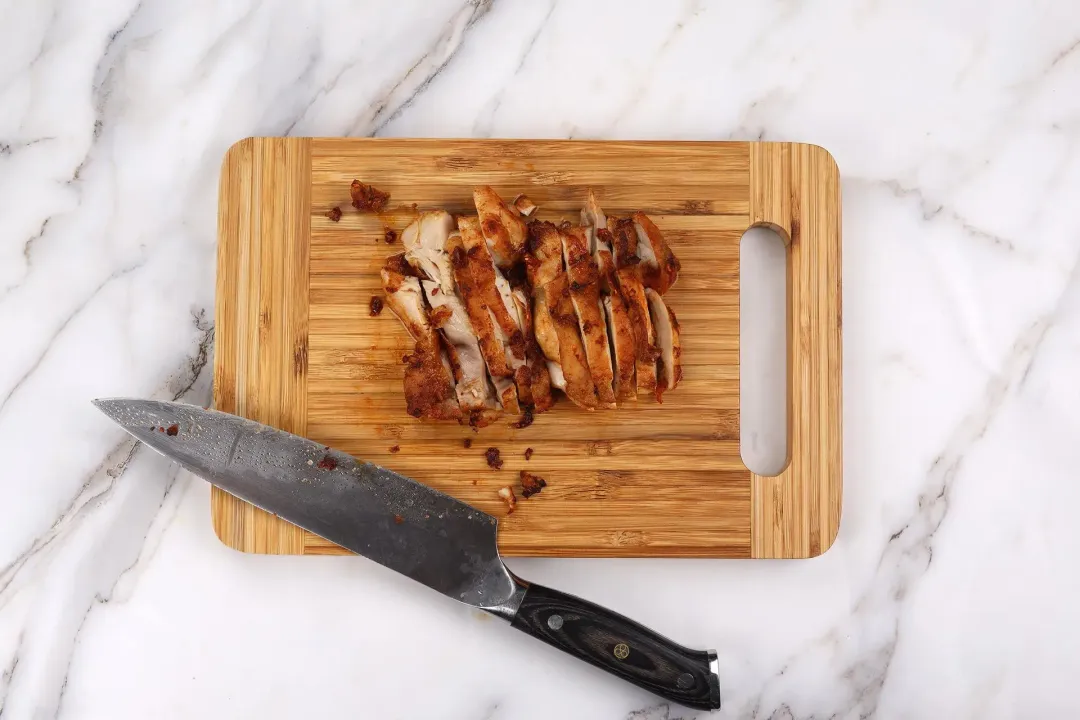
[{"x": 763, "y": 351}]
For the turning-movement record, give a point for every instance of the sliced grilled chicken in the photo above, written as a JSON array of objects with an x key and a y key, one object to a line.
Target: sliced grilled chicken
[
  {"x": 493, "y": 288},
  {"x": 637, "y": 306},
  {"x": 578, "y": 380},
  {"x": 544, "y": 263},
  {"x": 547, "y": 339},
  {"x": 623, "y": 348},
  {"x": 488, "y": 334},
  {"x": 600, "y": 240},
  {"x": 503, "y": 228},
  {"x": 405, "y": 298},
  {"x": 428, "y": 382},
  {"x": 473, "y": 389},
  {"x": 585, "y": 294},
  {"x": 660, "y": 267},
  {"x": 667, "y": 338},
  {"x": 424, "y": 241},
  {"x": 536, "y": 371},
  {"x": 624, "y": 237}
]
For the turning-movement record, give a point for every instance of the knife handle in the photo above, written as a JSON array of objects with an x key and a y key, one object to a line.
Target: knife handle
[{"x": 621, "y": 646}]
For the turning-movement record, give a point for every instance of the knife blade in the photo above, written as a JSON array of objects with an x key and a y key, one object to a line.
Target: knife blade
[{"x": 429, "y": 536}]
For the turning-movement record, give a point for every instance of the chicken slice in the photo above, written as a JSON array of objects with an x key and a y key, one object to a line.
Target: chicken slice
[
  {"x": 503, "y": 229},
  {"x": 429, "y": 389},
  {"x": 473, "y": 389},
  {"x": 579, "y": 384},
  {"x": 488, "y": 335},
  {"x": 600, "y": 240},
  {"x": 660, "y": 267},
  {"x": 585, "y": 295},
  {"x": 544, "y": 261},
  {"x": 546, "y": 338},
  {"x": 406, "y": 299},
  {"x": 624, "y": 237},
  {"x": 623, "y": 349},
  {"x": 424, "y": 241},
  {"x": 536, "y": 372},
  {"x": 428, "y": 381},
  {"x": 637, "y": 305},
  {"x": 667, "y": 338},
  {"x": 494, "y": 289}
]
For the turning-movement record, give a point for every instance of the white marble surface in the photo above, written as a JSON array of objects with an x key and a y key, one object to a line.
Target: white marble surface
[{"x": 953, "y": 588}]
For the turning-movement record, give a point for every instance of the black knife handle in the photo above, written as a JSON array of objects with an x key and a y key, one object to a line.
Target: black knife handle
[{"x": 620, "y": 646}]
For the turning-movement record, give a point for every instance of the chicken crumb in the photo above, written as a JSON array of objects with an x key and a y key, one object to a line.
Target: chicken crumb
[
  {"x": 467, "y": 443},
  {"x": 395, "y": 448},
  {"x": 507, "y": 494},
  {"x": 493, "y": 460},
  {"x": 390, "y": 236},
  {"x": 334, "y": 214},
  {"x": 327, "y": 463},
  {"x": 528, "y": 453},
  {"x": 526, "y": 418},
  {"x": 367, "y": 197},
  {"x": 398, "y": 519},
  {"x": 376, "y": 306},
  {"x": 531, "y": 484},
  {"x": 172, "y": 430},
  {"x": 524, "y": 205}
]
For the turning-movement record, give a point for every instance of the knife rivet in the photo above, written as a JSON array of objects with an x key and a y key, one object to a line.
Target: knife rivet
[
  {"x": 622, "y": 651},
  {"x": 555, "y": 622},
  {"x": 684, "y": 681}
]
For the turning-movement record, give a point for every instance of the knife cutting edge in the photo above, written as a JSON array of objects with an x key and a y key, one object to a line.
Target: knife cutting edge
[{"x": 413, "y": 529}]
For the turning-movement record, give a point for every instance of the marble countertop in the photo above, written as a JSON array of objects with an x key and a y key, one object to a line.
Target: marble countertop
[{"x": 953, "y": 587}]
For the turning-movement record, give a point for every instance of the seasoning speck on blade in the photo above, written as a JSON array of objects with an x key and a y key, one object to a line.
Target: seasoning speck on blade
[
  {"x": 172, "y": 430},
  {"x": 327, "y": 463}
]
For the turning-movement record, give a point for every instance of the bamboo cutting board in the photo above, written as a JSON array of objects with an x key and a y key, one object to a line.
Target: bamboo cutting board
[{"x": 298, "y": 349}]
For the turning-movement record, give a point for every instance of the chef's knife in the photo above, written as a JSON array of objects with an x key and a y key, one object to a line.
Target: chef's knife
[{"x": 413, "y": 529}]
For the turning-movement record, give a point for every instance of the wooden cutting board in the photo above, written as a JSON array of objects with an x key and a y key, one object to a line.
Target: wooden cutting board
[{"x": 298, "y": 349}]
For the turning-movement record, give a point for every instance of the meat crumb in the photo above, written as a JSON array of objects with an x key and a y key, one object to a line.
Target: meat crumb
[
  {"x": 526, "y": 418},
  {"x": 398, "y": 519},
  {"x": 376, "y": 306},
  {"x": 440, "y": 316},
  {"x": 524, "y": 205},
  {"x": 367, "y": 197},
  {"x": 161, "y": 429},
  {"x": 334, "y": 214},
  {"x": 172, "y": 430},
  {"x": 493, "y": 460},
  {"x": 531, "y": 484},
  {"x": 507, "y": 494},
  {"x": 528, "y": 453},
  {"x": 467, "y": 443},
  {"x": 390, "y": 236},
  {"x": 395, "y": 448},
  {"x": 327, "y": 463}
]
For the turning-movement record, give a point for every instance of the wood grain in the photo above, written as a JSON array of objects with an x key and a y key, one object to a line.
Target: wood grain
[{"x": 297, "y": 347}]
